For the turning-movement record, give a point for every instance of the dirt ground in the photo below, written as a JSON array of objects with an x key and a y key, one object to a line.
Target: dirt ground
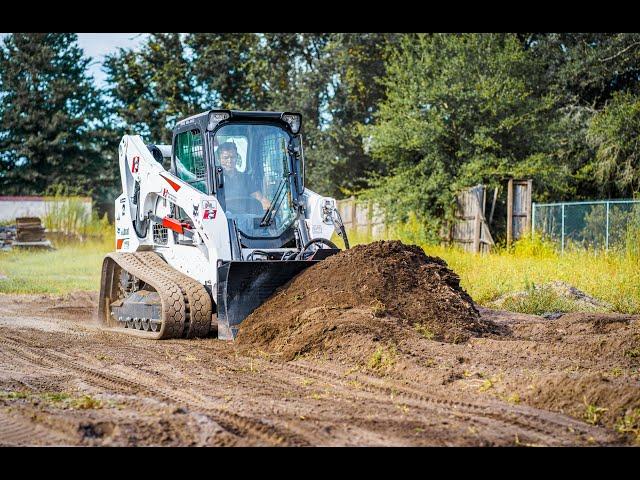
[{"x": 64, "y": 381}]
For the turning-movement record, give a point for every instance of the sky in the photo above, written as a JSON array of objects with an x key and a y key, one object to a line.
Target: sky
[{"x": 97, "y": 45}]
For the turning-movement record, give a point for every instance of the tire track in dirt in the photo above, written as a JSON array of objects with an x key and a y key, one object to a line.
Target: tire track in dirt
[
  {"x": 16, "y": 430},
  {"x": 133, "y": 381},
  {"x": 538, "y": 422},
  {"x": 490, "y": 415},
  {"x": 234, "y": 423}
]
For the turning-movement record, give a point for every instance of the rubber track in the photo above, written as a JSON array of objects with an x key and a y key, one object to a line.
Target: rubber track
[
  {"x": 186, "y": 304},
  {"x": 232, "y": 422}
]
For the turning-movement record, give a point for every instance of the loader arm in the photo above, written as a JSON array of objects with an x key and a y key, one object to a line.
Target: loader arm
[{"x": 160, "y": 195}]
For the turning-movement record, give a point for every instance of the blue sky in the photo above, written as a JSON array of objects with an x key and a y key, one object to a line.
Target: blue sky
[{"x": 97, "y": 45}]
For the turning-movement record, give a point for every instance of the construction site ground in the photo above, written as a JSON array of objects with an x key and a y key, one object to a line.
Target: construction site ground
[{"x": 65, "y": 381}]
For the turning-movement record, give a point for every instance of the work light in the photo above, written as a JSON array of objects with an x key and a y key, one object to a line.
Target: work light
[
  {"x": 294, "y": 120},
  {"x": 217, "y": 116}
]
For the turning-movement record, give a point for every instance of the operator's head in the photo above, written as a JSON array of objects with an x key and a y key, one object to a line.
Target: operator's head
[{"x": 228, "y": 154}]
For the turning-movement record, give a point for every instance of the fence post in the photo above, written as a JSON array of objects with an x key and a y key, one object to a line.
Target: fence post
[
  {"x": 509, "y": 212},
  {"x": 607, "y": 236},
  {"x": 562, "y": 248},
  {"x": 477, "y": 225},
  {"x": 533, "y": 218},
  {"x": 370, "y": 219}
]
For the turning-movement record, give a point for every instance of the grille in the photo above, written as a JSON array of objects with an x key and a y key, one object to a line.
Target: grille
[{"x": 160, "y": 234}]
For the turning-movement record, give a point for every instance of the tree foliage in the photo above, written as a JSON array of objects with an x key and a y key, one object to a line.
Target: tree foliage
[
  {"x": 52, "y": 132},
  {"x": 614, "y": 133},
  {"x": 409, "y": 119},
  {"x": 459, "y": 110},
  {"x": 153, "y": 88}
]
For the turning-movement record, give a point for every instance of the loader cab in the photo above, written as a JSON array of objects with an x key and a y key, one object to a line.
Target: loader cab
[{"x": 251, "y": 161}]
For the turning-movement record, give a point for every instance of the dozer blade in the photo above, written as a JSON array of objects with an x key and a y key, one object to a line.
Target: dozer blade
[{"x": 244, "y": 286}]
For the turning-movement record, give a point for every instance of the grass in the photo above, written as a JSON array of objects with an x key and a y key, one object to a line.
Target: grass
[
  {"x": 630, "y": 424},
  {"x": 539, "y": 301},
  {"x": 423, "y": 330},
  {"x": 382, "y": 359},
  {"x": 72, "y": 267},
  {"x": 592, "y": 413}
]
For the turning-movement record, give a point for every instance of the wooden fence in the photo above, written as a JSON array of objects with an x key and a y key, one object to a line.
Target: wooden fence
[
  {"x": 470, "y": 229},
  {"x": 363, "y": 217}
]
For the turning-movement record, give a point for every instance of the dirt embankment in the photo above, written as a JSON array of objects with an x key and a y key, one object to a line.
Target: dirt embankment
[{"x": 378, "y": 291}]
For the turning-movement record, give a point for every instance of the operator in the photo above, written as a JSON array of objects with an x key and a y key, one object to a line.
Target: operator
[{"x": 237, "y": 184}]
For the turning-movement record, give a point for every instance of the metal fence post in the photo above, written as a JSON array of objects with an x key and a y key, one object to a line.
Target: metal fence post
[
  {"x": 533, "y": 218},
  {"x": 562, "y": 248},
  {"x": 607, "y": 237}
]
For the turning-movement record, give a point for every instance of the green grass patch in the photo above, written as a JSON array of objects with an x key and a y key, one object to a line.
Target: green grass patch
[
  {"x": 538, "y": 301},
  {"x": 382, "y": 359},
  {"x": 72, "y": 267},
  {"x": 592, "y": 413},
  {"x": 423, "y": 330},
  {"x": 630, "y": 424}
]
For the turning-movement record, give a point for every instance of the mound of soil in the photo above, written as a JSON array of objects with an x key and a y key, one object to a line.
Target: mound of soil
[{"x": 382, "y": 290}]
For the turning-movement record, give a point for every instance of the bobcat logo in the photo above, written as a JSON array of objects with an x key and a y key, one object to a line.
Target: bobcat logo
[{"x": 195, "y": 210}]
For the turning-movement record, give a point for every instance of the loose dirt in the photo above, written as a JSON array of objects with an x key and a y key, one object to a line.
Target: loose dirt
[
  {"x": 376, "y": 291},
  {"x": 413, "y": 364}
]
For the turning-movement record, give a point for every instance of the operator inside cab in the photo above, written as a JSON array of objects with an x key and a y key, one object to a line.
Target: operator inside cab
[{"x": 236, "y": 183}]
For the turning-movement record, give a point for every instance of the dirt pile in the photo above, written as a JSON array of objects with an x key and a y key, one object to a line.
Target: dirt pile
[{"x": 380, "y": 290}]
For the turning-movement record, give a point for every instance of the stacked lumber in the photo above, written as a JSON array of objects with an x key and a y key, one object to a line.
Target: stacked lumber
[
  {"x": 29, "y": 229},
  {"x": 7, "y": 236}
]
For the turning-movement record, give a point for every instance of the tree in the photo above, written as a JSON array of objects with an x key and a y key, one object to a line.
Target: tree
[
  {"x": 153, "y": 88},
  {"x": 459, "y": 110},
  {"x": 353, "y": 65},
  {"x": 614, "y": 133},
  {"x": 583, "y": 72},
  {"x": 51, "y": 127}
]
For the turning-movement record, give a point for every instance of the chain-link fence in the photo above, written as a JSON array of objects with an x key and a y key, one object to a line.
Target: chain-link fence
[{"x": 605, "y": 224}]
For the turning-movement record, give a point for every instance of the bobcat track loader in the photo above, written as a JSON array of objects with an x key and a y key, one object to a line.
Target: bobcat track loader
[{"x": 204, "y": 236}]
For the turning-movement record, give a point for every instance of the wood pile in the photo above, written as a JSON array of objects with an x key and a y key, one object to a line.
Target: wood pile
[{"x": 29, "y": 229}]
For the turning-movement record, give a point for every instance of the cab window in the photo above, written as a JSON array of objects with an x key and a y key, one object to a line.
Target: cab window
[{"x": 189, "y": 156}]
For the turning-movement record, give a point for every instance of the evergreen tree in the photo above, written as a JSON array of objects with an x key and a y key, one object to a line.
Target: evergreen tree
[{"x": 51, "y": 128}]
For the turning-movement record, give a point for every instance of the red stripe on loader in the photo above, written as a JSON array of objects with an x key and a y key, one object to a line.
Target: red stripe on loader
[
  {"x": 119, "y": 243},
  {"x": 175, "y": 186}
]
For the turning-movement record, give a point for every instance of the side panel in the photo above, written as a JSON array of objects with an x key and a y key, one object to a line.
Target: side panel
[{"x": 320, "y": 226}]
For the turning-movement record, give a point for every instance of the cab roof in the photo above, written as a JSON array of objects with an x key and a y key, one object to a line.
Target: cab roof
[{"x": 235, "y": 115}]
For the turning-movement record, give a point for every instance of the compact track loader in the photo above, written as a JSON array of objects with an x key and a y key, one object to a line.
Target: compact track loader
[{"x": 208, "y": 227}]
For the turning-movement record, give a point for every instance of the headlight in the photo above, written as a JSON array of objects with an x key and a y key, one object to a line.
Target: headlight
[
  {"x": 294, "y": 120},
  {"x": 217, "y": 116}
]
